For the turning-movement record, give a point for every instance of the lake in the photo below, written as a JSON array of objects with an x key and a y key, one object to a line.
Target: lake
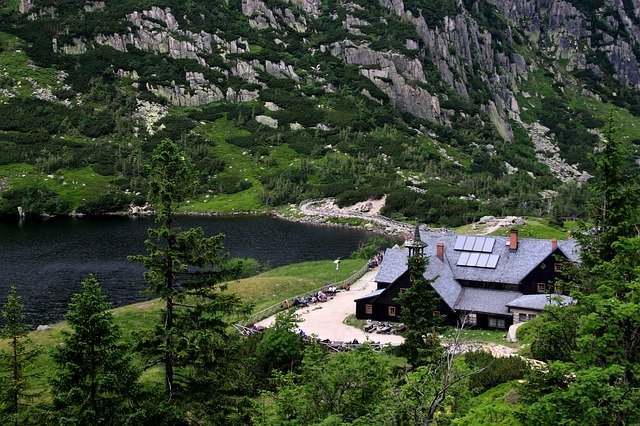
[{"x": 47, "y": 259}]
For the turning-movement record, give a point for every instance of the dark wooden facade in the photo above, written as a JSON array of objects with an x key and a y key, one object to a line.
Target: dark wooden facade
[{"x": 383, "y": 307}]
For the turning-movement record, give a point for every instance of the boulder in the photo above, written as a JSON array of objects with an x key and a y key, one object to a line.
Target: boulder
[{"x": 267, "y": 121}]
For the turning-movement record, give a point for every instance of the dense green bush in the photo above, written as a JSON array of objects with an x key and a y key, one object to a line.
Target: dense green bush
[
  {"x": 31, "y": 114},
  {"x": 35, "y": 199},
  {"x": 373, "y": 246},
  {"x": 113, "y": 201},
  {"x": 491, "y": 371},
  {"x": 433, "y": 11}
]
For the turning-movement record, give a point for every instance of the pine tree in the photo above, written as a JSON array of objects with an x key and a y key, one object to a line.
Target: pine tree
[
  {"x": 594, "y": 375},
  {"x": 15, "y": 382},
  {"x": 417, "y": 311},
  {"x": 182, "y": 267},
  {"x": 615, "y": 199},
  {"x": 95, "y": 380}
]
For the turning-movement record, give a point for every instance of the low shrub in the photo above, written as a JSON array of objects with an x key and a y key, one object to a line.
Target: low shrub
[{"x": 493, "y": 371}]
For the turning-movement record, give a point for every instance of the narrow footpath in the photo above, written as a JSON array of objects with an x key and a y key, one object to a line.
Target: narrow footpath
[{"x": 325, "y": 320}]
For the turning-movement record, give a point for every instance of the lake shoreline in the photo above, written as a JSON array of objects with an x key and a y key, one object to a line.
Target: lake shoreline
[{"x": 323, "y": 218}]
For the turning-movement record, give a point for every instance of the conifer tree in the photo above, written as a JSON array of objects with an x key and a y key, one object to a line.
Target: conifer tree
[
  {"x": 182, "y": 267},
  {"x": 417, "y": 311},
  {"x": 614, "y": 209},
  {"x": 595, "y": 378},
  {"x": 95, "y": 381},
  {"x": 15, "y": 381}
]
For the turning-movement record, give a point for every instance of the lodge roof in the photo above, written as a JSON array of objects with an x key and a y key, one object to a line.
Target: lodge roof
[
  {"x": 485, "y": 301},
  {"x": 538, "y": 302},
  {"x": 511, "y": 267},
  {"x": 371, "y": 295}
]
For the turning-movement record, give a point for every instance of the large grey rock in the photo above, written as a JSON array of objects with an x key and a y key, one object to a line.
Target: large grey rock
[
  {"x": 25, "y": 5},
  {"x": 267, "y": 121}
]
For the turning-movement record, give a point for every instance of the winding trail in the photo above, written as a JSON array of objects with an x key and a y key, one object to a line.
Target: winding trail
[{"x": 326, "y": 207}]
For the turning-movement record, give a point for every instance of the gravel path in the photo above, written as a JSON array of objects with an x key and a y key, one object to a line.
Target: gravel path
[
  {"x": 325, "y": 319},
  {"x": 326, "y": 207}
]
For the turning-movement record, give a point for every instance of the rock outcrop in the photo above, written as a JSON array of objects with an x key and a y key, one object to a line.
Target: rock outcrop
[{"x": 393, "y": 73}]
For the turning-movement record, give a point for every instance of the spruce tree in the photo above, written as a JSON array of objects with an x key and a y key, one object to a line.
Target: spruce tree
[
  {"x": 95, "y": 380},
  {"x": 15, "y": 381},
  {"x": 615, "y": 198},
  {"x": 183, "y": 268},
  {"x": 593, "y": 377},
  {"x": 418, "y": 313}
]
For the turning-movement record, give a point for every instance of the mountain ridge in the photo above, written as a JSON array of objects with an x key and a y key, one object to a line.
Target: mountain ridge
[{"x": 488, "y": 106}]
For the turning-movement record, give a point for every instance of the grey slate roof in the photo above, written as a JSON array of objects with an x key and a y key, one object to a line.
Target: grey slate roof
[
  {"x": 394, "y": 264},
  {"x": 571, "y": 249},
  {"x": 537, "y": 302},
  {"x": 485, "y": 301},
  {"x": 511, "y": 268},
  {"x": 372, "y": 294}
]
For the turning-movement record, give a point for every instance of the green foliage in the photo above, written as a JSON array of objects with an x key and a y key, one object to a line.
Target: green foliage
[
  {"x": 110, "y": 202},
  {"x": 596, "y": 379},
  {"x": 418, "y": 313},
  {"x": 35, "y": 199},
  {"x": 247, "y": 267},
  {"x": 14, "y": 379},
  {"x": 433, "y": 11},
  {"x": 342, "y": 387},
  {"x": 555, "y": 336},
  {"x": 95, "y": 380},
  {"x": 372, "y": 247},
  {"x": 491, "y": 372},
  {"x": 183, "y": 268},
  {"x": 431, "y": 207},
  {"x": 614, "y": 207},
  {"x": 280, "y": 348},
  {"x": 229, "y": 184}
]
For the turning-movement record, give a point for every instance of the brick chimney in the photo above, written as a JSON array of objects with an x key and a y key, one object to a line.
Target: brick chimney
[
  {"x": 440, "y": 250},
  {"x": 554, "y": 244},
  {"x": 513, "y": 240}
]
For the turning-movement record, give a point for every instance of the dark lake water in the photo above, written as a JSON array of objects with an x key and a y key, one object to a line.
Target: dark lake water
[{"x": 48, "y": 259}]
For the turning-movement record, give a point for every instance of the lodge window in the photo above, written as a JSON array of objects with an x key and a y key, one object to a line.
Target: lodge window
[
  {"x": 496, "y": 322},
  {"x": 532, "y": 316},
  {"x": 472, "y": 319},
  {"x": 522, "y": 317},
  {"x": 542, "y": 287},
  {"x": 557, "y": 267},
  {"x": 392, "y": 311},
  {"x": 436, "y": 313},
  {"x": 368, "y": 309},
  {"x": 402, "y": 290}
]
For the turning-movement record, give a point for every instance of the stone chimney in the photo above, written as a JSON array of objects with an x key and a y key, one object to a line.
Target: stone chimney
[
  {"x": 513, "y": 240},
  {"x": 440, "y": 250},
  {"x": 554, "y": 244}
]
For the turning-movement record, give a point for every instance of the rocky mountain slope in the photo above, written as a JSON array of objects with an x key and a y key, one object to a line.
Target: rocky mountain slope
[{"x": 453, "y": 109}]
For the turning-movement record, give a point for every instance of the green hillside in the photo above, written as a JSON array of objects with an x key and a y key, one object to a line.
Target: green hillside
[{"x": 453, "y": 110}]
